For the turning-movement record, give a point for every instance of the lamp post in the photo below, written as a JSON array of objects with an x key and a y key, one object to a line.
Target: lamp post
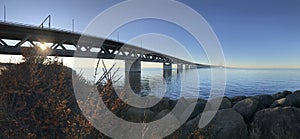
[{"x": 4, "y": 14}]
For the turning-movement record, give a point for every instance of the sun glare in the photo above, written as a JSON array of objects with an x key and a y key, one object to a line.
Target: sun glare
[{"x": 43, "y": 46}]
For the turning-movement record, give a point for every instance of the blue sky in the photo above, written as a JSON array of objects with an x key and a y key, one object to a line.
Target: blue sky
[{"x": 253, "y": 33}]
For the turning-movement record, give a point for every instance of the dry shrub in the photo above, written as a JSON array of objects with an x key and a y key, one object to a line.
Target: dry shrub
[{"x": 37, "y": 100}]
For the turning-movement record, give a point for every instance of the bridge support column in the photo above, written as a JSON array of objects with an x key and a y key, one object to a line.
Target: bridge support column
[
  {"x": 133, "y": 75},
  {"x": 167, "y": 70},
  {"x": 131, "y": 65},
  {"x": 179, "y": 68},
  {"x": 167, "y": 66},
  {"x": 193, "y": 67},
  {"x": 187, "y": 67}
]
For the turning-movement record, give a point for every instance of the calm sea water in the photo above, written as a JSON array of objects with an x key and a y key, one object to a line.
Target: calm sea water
[{"x": 197, "y": 82}]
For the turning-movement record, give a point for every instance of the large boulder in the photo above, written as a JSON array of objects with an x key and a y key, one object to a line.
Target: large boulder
[
  {"x": 298, "y": 91},
  {"x": 247, "y": 108},
  {"x": 225, "y": 103},
  {"x": 265, "y": 100},
  {"x": 192, "y": 108},
  {"x": 276, "y": 123},
  {"x": 294, "y": 99},
  {"x": 180, "y": 108},
  {"x": 164, "y": 103},
  {"x": 138, "y": 115},
  {"x": 280, "y": 103},
  {"x": 237, "y": 99},
  {"x": 226, "y": 124},
  {"x": 281, "y": 94},
  {"x": 162, "y": 114},
  {"x": 199, "y": 107}
]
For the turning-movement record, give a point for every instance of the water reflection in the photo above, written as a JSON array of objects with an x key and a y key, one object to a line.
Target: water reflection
[
  {"x": 133, "y": 79},
  {"x": 197, "y": 82},
  {"x": 169, "y": 84},
  {"x": 167, "y": 75}
]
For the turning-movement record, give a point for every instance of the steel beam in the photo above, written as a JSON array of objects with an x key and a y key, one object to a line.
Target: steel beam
[{"x": 23, "y": 33}]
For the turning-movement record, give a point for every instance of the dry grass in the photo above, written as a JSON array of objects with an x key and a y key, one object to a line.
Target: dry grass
[{"x": 37, "y": 100}]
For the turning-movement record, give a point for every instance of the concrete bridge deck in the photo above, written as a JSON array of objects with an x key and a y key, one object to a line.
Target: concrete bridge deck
[{"x": 88, "y": 46}]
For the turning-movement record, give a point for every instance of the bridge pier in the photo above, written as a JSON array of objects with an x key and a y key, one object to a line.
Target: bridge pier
[
  {"x": 167, "y": 66},
  {"x": 179, "y": 68},
  {"x": 193, "y": 67},
  {"x": 167, "y": 70},
  {"x": 133, "y": 65},
  {"x": 187, "y": 67},
  {"x": 133, "y": 75}
]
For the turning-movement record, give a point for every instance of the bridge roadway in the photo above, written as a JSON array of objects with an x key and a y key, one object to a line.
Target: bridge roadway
[{"x": 88, "y": 46}]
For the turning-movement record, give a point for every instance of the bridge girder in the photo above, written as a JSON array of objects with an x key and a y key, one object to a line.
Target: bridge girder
[{"x": 87, "y": 47}]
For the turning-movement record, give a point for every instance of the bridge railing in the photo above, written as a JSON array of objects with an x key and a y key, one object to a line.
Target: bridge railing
[{"x": 36, "y": 26}]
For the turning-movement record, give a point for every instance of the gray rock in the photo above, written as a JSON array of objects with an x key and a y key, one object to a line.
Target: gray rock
[
  {"x": 198, "y": 108},
  {"x": 237, "y": 99},
  {"x": 181, "y": 105},
  {"x": 164, "y": 103},
  {"x": 167, "y": 125},
  {"x": 139, "y": 115},
  {"x": 265, "y": 100},
  {"x": 296, "y": 92},
  {"x": 276, "y": 123},
  {"x": 278, "y": 96},
  {"x": 281, "y": 94},
  {"x": 286, "y": 92},
  {"x": 294, "y": 99},
  {"x": 162, "y": 114},
  {"x": 247, "y": 108},
  {"x": 226, "y": 124},
  {"x": 280, "y": 103},
  {"x": 225, "y": 104}
]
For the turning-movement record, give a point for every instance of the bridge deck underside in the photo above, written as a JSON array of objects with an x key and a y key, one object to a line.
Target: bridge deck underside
[{"x": 81, "y": 45}]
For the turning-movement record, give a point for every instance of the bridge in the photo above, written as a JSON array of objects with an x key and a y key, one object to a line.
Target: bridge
[
  {"x": 87, "y": 47},
  {"x": 70, "y": 44}
]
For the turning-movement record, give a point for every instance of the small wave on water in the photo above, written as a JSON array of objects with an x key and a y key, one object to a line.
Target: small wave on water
[{"x": 246, "y": 82}]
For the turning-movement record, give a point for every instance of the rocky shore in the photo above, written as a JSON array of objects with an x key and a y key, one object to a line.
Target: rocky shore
[{"x": 257, "y": 117}]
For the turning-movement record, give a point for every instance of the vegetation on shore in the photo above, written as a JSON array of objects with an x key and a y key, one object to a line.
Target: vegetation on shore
[{"x": 37, "y": 100}]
